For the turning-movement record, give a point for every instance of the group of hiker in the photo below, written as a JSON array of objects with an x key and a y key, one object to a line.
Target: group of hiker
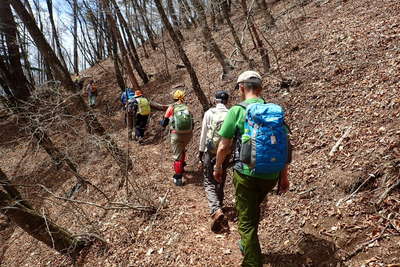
[{"x": 251, "y": 136}]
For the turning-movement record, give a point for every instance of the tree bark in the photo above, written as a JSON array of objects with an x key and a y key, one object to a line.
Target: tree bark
[
  {"x": 174, "y": 19},
  {"x": 112, "y": 44},
  {"x": 188, "y": 11},
  {"x": 75, "y": 30},
  {"x": 55, "y": 34},
  {"x": 38, "y": 226},
  {"x": 59, "y": 72},
  {"x": 258, "y": 42},
  {"x": 11, "y": 190},
  {"x": 146, "y": 23},
  {"x": 268, "y": 18},
  {"x": 10, "y": 67},
  {"x": 133, "y": 53},
  {"x": 195, "y": 82},
  {"x": 225, "y": 12},
  {"x": 212, "y": 44},
  {"x": 115, "y": 31}
]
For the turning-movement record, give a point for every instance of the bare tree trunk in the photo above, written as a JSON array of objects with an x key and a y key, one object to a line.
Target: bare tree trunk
[
  {"x": 11, "y": 69},
  {"x": 115, "y": 31},
  {"x": 188, "y": 11},
  {"x": 268, "y": 18},
  {"x": 112, "y": 44},
  {"x": 24, "y": 45},
  {"x": 75, "y": 31},
  {"x": 36, "y": 225},
  {"x": 257, "y": 42},
  {"x": 142, "y": 11},
  {"x": 183, "y": 17},
  {"x": 195, "y": 82},
  {"x": 212, "y": 44},
  {"x": 225, "y": 12},
  {"x": 60, "y": 73},
  {"x": 261, "y": 49},
  {"x": 174, "y": 18},
  {"x": 133, "y": 53},
  {"x": 55, "y": 34}
]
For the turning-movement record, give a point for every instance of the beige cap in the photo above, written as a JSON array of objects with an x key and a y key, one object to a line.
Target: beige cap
[{"x": 249, "y": 76}]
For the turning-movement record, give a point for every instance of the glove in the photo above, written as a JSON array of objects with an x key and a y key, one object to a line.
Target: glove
[{"x": 164, "y": 122}]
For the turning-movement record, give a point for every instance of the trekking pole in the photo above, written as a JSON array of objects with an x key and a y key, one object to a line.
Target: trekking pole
[{"x": 127, "y": 151}]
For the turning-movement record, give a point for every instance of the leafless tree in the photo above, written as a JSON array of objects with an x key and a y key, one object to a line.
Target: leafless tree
[
  {"x": 195, "y": 82},
  {"x": 210, "y": 42}
]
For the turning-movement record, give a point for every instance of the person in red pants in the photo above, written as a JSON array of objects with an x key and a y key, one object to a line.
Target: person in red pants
[{"x": 180, "y": 121}]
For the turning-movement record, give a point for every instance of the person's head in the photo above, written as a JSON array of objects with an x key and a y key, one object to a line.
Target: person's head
[
  {"x": 249, "y": 83},
  {"x": 138, "y": 93},
  {"x": 178, "y": 95},
  {"x": 221, "y": 97}
]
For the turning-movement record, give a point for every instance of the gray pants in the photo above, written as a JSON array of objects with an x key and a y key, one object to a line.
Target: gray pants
[{"x": 214, "y": 190}]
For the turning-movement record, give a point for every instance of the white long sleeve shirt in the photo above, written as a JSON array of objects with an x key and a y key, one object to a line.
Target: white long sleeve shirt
[{"x": 207, "y": 124}]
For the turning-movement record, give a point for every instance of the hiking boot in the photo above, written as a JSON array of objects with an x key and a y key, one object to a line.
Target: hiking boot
[
  {"x": 218, "y": 218},
  {"x": 177, "y": 178}
]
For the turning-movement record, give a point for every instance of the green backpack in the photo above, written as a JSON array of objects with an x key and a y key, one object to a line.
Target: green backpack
[
  {"x": 182, "y": 121},
  {"x": 143, "y": 106},
  {"x": 213, "y": 136}
]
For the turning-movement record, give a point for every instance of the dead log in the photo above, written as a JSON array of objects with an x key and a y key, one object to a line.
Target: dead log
[{"x": 40, "y": 227}]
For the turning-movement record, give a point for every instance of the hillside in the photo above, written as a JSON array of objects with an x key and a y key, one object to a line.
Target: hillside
[{"x": 342, "y": 59}]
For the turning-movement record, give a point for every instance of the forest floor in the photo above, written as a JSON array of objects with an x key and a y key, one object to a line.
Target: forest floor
[{"x": 343, "y": 58}]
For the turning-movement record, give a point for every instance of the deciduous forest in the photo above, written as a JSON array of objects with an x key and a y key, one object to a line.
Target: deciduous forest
[{"x": 77, "y": 190}]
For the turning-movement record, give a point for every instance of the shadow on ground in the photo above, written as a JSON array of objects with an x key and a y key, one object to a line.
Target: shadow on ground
[
  {"x": 313, "y": 251},
  {"x": 194, "y": 176}
]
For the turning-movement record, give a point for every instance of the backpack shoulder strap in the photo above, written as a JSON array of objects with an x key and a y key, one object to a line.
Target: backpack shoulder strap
[{"x": 245, "y": 105}]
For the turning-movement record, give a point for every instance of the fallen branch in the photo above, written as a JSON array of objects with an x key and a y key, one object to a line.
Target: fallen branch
[
  {"x": 387, "y": 191},
  {"x": 336, "y": 146},
  {"x": 118, "y": 205},
  {"x": 363, "y": 245},
  {"x": 355, "y": 191},
  {"x": 307, "y": 191}
]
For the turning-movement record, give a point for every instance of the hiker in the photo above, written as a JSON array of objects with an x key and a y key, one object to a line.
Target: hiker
[
  {"x": 127, "y": 117},
  {"x": 138, "y": 110},
  {"x": 209, "y": 140},
  {"x": 78, "y": 83},
  {"x": 126, "y": 95},
  {"x": 180, "y": 121},
  {"x": 92, "y": 93},
  {"x": 259, "y": 136}
]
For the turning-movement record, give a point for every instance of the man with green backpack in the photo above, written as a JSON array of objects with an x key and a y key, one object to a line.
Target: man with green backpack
[
  {"x": 258, "y": 133},
  {"x": 180, "y": 121},
  {"x": 209, "y": 140}
]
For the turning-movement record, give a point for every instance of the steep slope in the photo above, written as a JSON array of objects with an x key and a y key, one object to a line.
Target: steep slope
[{"x": 343, "y": 60}]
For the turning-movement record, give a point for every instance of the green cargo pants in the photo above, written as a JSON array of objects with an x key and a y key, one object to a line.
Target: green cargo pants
[{"x": 249, "y": 194}]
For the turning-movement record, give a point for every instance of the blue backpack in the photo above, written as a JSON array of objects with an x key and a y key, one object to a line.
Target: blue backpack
[
  {"x": 126, "y": 95},
  {"x": 264, "y": 143}
]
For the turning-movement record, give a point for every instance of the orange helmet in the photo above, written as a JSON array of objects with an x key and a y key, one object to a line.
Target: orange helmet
[{"x": 138, "y": 93}]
